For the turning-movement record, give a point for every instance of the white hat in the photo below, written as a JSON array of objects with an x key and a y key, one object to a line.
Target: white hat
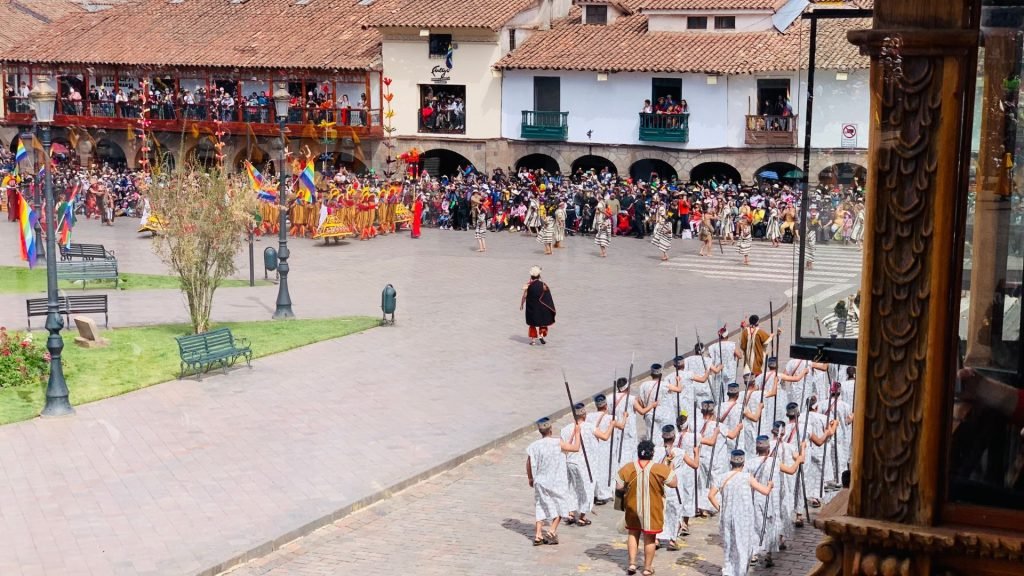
[{"x": 535, "y": 272}]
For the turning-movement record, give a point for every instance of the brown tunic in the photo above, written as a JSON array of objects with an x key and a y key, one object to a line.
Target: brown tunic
[
  {"x": 645, "y": 494},
  {"x": 753, "y": 356}
]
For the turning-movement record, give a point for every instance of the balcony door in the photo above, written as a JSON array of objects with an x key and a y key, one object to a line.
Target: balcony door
[
  {"x": 772, "y": 96},
  {"x": 547, "y": 93},
  {"x": 668, "y": 89}
]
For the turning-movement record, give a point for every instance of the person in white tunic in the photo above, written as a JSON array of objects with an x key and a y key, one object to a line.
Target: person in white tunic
[
  {"x": 732, "y": 413},
  {"x": 686, "y": 442},
  {"x": 678, "y": 452},
  {"x": 783, "y": 384},
  {"x": 533, "y": 220},
  {"x": 600, "y": 459},
  {"x": 546, "y": 236},
  {"x": 844, "y": 435},
  {"x": 547, "y": 474},
  {"x": 722, "y": 354},
  {"x": 690, "y": 378},
  {"x": 713, "y": 460},
  {"x": 559, "y": 233},
  {"x": 783, "y": 505},
  {"x": 819, "y": 431},
  {"x": 765, "y": 467},
  {"x": 624, "y": 440},
  {"x": 654, "y": 404},
  {"x": 662, "y": 239},
  {"x": 602, "y": 228},
  {"x": 753, "y": 410},
  {"x": 836, "y": 451},
  {"x": 582, "y": 476},
  {"x": 731, "y": 497}
]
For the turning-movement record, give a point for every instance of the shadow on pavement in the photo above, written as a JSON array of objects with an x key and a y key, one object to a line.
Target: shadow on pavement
[
  {"x": 519, "y": 527},
  {"x": 694, "y": 560},
  {"x": 609, "y": 553}
]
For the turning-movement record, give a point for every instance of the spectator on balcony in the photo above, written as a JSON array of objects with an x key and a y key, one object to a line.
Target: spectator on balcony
[
  {"x": 684, "y": 107},
  {"x": 345, "y": 108},
  {"x": 459, "y": 114},
  {"x": 659, "y": 108},
  {"x": 263, "y": 104},
  {"x": 75, "y": 101},
  {"x": 647, "y": 109},
  {"x": 190, "y": 105}
]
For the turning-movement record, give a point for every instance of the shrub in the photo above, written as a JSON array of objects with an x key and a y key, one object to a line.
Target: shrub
[{"x": 22, "y": 362}]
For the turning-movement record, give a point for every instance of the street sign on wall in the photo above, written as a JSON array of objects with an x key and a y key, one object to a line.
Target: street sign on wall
[{"x": 849, "y": 136}]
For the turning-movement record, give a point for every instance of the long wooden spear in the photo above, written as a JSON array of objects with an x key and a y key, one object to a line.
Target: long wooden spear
[
  {"x": 768, "y": 498},
  {"x": 611, "y": 439},
  {"x": 629, "y": 384},
  {"x": 572, "y": 411}
]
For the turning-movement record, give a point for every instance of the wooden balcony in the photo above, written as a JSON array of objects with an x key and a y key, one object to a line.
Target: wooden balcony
[
  {"x": 664, "y": 127},
  {"x": 301, "y": 122},
  {"x": 545, "y": 125},
  {"x": 771, "y": 131}
]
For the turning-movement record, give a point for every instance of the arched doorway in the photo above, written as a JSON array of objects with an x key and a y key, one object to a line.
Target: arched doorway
[
  {"x": 441, "y": 162},
  {"x": 202, "y": 155},
  {"x": 717, "y": 171},
  {"x": 160, "y": 159},
  {"x": 843, "y": 173},
  {"x": 643, "y": 169},
  {"x": 109, "y": 153},
  {"x": 592, "y": 162},
  {"x": 784, "y": 170},
  {"x": 254, "y": 154},
  {"x": 538, "y": 162}
]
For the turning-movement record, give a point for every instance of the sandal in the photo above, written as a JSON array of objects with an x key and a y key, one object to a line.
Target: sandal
[
  {"x": 672, "y": 546},
  {"x": 648, "y": 572},
  {"x": 538, "y": 541},
  {"x": 571, "y": 520},
  {"x": 584, "y": 522},
  {"x": 684, "y": 531},
  {"x": 631, "y": 570},
  {"x": 551, "y": 539}
]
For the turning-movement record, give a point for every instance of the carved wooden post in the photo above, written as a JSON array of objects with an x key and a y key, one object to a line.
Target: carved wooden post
[{"x": 922, "y": 55}]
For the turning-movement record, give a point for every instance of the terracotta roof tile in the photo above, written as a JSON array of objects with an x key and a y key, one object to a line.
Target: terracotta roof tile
[
  {"x": 492, "y": 14},
  {"x": 24, "y": 19},
  {"x": 627, "y": 46},
  {"x": 323, "y": 34},
  {"x": 709, "y": 4}
]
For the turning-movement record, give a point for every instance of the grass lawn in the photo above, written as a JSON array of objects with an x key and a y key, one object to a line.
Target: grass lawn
[
  {"x": 140, "y": 357},
  {"x": 22, "y": 280}
]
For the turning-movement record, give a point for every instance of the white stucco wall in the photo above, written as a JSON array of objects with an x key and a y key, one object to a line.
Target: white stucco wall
[
  {"x": 407, "y": 63},
  {"x": 717, "y": 112}
]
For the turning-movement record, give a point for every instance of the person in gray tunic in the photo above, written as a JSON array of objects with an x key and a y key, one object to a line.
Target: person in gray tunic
[{"x": 547, "y": 474}]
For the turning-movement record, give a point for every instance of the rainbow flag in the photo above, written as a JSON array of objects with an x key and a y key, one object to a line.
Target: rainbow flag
[
  {"x": 27, "y": 224},
  {"x": 20, "y": 154},
  {"x": 264, "y": 191},
  {"x": 66, "y": 221},
  {"x": 307, "y": 183}
]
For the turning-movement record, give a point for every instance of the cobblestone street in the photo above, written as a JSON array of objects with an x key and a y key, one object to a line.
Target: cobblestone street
[{"x": 478, "y": 519}]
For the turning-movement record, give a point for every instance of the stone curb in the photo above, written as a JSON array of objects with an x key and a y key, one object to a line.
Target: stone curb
[{"x": 310, "y": 527}]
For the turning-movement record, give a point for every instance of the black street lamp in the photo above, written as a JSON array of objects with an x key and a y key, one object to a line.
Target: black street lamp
[
  {"x": 284, "y": 299},
  {"x": 43, "y": 99}
]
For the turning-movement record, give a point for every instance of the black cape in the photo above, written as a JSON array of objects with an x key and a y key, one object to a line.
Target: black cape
[{"x": 540, "y": 306}]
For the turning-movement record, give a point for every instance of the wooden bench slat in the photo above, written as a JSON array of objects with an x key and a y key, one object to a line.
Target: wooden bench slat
[{"x": 199, "y": 351}]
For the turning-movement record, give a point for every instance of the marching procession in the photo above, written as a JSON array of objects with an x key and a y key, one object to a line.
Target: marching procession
[{"x": 722, "y": 432}]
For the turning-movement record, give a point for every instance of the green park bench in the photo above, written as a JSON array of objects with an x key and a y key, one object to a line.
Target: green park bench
[
  {"x": 200, "y": 352},
  {"x": 68, "y": 305},
  {"x": 85, "y": 252},
  {"x": 86, "y": 270}
]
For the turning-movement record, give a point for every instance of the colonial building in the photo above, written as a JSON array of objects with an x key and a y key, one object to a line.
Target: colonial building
[
  {"x": 574, "y": 96},
  {"x": 190, "y": 66},
  {"x": 440, "y": 56}
]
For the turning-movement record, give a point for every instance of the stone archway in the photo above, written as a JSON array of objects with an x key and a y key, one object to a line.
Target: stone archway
[
  {"x": 110, "y": 153},
  {"x": 784, "y": 170},
  {"x": 443, "y": 162},
  {"x": 258, "y": 156},
  {"x": 719, "y": 171},
  {"x": 538, "y": 161},
  {"x": 593, "y": 162},
  {"x": 202, "y": 155},
  {"x": 642, "y": 170},
  {"x": 843, "y": 173}
]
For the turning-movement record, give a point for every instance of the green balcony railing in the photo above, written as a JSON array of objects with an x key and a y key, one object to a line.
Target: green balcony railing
[
  {"x": 664, "y": 127},
  {"x": 545, "y": 125}
]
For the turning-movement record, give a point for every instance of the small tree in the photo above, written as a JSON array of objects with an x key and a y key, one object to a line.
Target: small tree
[{"x": 205, "y": 217}]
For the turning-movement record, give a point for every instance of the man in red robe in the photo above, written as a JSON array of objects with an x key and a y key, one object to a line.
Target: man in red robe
[{"x": 417, "y": 215}]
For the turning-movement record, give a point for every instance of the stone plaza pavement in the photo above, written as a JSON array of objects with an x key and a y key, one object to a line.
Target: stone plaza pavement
[
  {"x": 191, "y": 477},
  {"x": 478, "y": 519}
]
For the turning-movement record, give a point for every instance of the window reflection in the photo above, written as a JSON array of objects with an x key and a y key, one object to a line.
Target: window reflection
[{"x": 987, "y": 451}]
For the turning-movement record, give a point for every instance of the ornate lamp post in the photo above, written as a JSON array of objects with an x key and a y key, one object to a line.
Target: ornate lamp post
[
  {"x": 284, "y": 300},
  {"x": 43, "y": 99}
]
